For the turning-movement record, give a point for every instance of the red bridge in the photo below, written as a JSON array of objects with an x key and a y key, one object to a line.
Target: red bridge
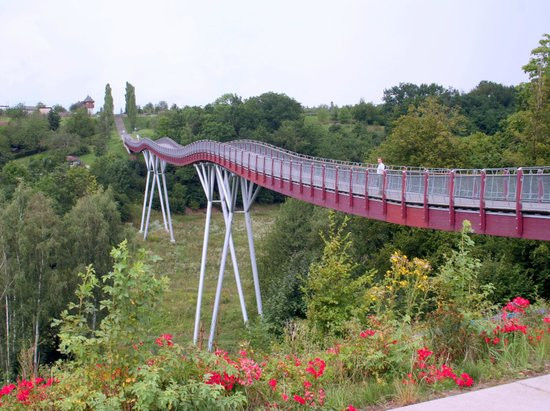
[{"x": 510, "y": 202}]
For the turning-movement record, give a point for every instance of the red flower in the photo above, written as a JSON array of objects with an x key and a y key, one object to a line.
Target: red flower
[
  {"x": 351, "y": 408},
  {"x": 316, "y": 367},
  {"x": 23, "y": 395},
  {"x": 423, "y": 353},
  {"x": 367, "y": 333},
  {"x": 307, "y": 384},
  {"x": 273, "y": 384},
  {"x": 299, "y": 399},
  {"x": 164, "y": 338},
  {"x": 284, "y": 397},
  {"x": 546, "y": 319},
  {"x": 334, "y": 350},
  {"x": 322, "y": 396},
  {"x": 464, "y": 381},
  {"x": 6, "y": 389}
]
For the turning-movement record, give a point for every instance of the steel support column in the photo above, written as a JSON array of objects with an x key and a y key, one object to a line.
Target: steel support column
[
  {"x": 157, "y": 168},
  {"x": 206, "y": 176},
  {"x": 146, "y": 157},
  {"x": 249, "y": 194}
]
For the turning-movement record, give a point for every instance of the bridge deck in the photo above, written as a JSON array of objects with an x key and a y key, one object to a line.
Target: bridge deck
[{"x": 505, "y": 202}]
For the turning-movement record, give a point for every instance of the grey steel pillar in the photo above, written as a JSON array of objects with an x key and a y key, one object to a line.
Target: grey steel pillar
[
  {"x": 249, "y": 194},
  {"x": 146, "y": 157},
  {"x": 206, "y": 176},
  {"x": 156, "y": 168}
]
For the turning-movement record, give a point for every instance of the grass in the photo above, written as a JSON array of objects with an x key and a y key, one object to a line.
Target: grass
[
  {"x": 181, "y": 263},
  {"x": 114, "y": 146}
]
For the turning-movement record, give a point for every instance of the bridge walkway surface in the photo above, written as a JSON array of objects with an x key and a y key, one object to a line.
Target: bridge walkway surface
[
  {"x": 509, "y": 202},
  {"x": 532, "y": 394}
]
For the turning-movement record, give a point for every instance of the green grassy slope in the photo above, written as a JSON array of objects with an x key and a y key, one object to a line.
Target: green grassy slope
[{"x": 181, "y": 263}]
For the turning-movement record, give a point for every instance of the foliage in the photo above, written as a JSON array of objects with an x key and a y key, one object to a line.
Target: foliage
[
  {"x": 457, "y": 282},
  {"x": 426, "y": 136},
  {"x": 332, "y": 296},
  {"x": 80, "y": 123},
  {"x": 26, "y": 134},
  {"x": 403, "y": 291},
  {"x": 130, "y": 108},
  {"x": 528, "y": 128},
  {"x": 289, "y": 249},
  {"x": 65, "y": 185}
]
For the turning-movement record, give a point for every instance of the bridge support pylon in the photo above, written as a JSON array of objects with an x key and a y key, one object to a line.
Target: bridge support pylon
[
  {"x": 211, "y": 175},
  {"x": 155, "y": 174}
]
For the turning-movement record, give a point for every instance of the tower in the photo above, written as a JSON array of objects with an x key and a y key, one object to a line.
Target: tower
[{"x": 89, "y": 104}]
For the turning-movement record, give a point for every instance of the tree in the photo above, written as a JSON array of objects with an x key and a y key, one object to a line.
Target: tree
[
  {"x": 161, "y": 106},
  {"x": 270, "y": 110},
  {"x": 289, "y": 249},
  {"x": 54, "y": 119},
  {"x": 39, "y": 243},
  {"x": 426, "y": 136},
  {"x": 367, "y": 113},
  {"x": 331, "y": 294},
  {"x": 106, "y": 117},
  {"x": 398, "y": 98},
  {"x": 65, "y": 185},
  {"x": 27, "y": 133},
  {"x": 487, "y": 105},
  {"x": 92, "y": 227},
  {"x": 131, "y": 108},
  {"x": 538, "y": 114},
  {"x": 81, "y": 123}
]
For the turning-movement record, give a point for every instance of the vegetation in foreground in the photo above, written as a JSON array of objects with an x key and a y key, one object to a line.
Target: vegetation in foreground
[{"x": 400, "y": 340}]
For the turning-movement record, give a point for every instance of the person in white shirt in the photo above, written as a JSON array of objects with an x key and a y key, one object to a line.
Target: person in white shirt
[{"x": 381, "y": 166}]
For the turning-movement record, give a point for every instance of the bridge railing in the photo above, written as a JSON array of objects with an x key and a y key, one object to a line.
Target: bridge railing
[{"x": 469, "y": 188}]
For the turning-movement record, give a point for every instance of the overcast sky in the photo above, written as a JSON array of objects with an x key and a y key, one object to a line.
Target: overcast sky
[{"x": 191, "y": 52}]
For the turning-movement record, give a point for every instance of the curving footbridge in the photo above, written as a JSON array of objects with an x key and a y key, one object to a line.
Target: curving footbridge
[{"x": 510, "y": 202}]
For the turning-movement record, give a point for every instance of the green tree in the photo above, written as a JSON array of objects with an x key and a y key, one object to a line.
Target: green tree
[
  {"x": 54, "y": 119},
  {"x": 65, "y": 185},
  {"x": 398, "y": 99},
  {"x": 39, "y": 245},
  {"x": 27, "y": 134},
  {"x": 81, "y": 123},
  {"x": 106, "y": 117},
  {"x": 270, "y": 110},
  {"x": 536, "y": 130},
  {"x": 92, "y": 228},
  {"x": 332, "y": 295},
  {"x": 425, "y": 136},
  {"x": 131, "y": 108},
  {"x": 289, "y": 249},
  {"x": 487, "y": 105}
]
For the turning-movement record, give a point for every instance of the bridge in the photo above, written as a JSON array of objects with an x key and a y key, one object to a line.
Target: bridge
[{"x": 510, "y": 202}]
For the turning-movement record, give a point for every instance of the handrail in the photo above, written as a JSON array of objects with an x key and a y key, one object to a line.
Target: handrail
[{"x": 492, "y": 188}]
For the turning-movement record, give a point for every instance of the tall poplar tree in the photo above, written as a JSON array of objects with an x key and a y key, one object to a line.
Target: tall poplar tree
[
  {"x": 131, "y": 109},
  {"x": 107, "y": 118}
]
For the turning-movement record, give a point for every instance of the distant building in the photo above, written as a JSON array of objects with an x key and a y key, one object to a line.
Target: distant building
[
  {"x": 89, "y": 104},
  {"x": 41, "y": 109},
  {"x": 73, "y": 161}
]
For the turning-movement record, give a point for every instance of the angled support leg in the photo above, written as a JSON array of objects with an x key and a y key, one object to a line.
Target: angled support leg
[
  {"x": 146, "y": 157},
  {"x": 206, "y": 176},
  {"x": 152, "y": 160},
  {"x": 168, "y": 214},
  {"x": 232, "y": 183},
  {"x": 157, "y": 169},
  {"x": 249, "y": 194},
  {"x": 229, "y": 198}
]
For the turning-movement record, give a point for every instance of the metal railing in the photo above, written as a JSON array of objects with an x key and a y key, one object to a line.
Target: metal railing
[{"x": 494, "y": 189}]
